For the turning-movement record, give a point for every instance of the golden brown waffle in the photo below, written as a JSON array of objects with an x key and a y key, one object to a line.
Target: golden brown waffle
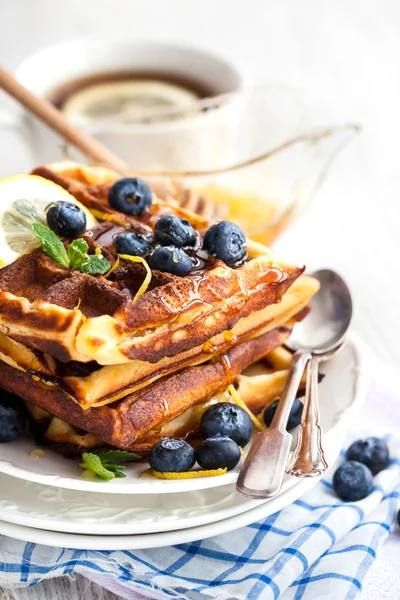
[
  {"x": 91, "y": 386},
  {"x": 137, "y": 419},
  {"x": 258, "y": 386},
  {"x": 73, "y": 316}
]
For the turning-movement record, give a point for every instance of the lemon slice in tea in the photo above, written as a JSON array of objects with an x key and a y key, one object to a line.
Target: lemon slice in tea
[
  {"x": 127, "y": 101},
  {"x": 23, "y": 200}
]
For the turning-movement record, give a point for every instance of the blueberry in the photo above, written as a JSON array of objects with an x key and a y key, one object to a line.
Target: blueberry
[
  {"x": 398, "y": 517},
  {"x": 370, "y": 451},
  {"x": 12, "y": 417},
  {"x": 294, "y": 417},
  {"x": 218, "y": 452},
  {"x": 352, "y": 481},
  {"x": 173, "y": 231},
  {"x": 226, "y": 241},
  {"x": 133, "y": 244},
  {"x": 227, "y": 419},
  {"x": 171, "y": 455},
  {"x": 66, "y": 219},
  {"x": 171, "y": 260},
  {"x": 131, "y": 196}
]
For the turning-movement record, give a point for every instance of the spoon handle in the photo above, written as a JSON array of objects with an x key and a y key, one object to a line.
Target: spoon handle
[
  {"x": 264, "y": 468},
  {"x": 308, "y": 458}
]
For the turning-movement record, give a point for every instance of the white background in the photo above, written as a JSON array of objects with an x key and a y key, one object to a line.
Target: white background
[{"x": 347, "y": 51}]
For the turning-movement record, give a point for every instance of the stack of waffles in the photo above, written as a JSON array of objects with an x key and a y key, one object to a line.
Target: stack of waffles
[{"x": 100, "y": 366}]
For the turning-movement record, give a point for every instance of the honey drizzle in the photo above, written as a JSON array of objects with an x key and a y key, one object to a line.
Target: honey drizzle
[
  {"x": 227, "y": 366},
  {"x": 105, "y": 234}
]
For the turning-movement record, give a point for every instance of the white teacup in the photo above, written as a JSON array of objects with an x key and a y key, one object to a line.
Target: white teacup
[{"x": 178, "y": 143}]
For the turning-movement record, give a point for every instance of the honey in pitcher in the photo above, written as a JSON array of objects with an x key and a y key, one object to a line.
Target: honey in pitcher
[{"x": 260, "y": 218}]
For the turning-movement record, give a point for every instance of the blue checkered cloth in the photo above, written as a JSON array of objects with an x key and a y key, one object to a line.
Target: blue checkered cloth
[{"x": 318, "y": 547}]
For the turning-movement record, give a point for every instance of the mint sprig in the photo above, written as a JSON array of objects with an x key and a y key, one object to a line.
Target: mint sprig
[
  {"x": 117, "y": 456},
  {"x": 76, "y": 257},
  {"x": 107, "y": 464}
]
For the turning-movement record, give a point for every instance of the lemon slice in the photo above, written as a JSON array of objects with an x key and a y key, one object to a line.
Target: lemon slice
[
  {"x": 126, "y": 101},
  {"x": 23, "y": 200},
  {"x": 188, "y": 474}
]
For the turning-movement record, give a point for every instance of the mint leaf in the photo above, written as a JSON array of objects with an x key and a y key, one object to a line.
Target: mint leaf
[
  {"x": 51, "y": 244},
  {"x": 95, "y": 265},
  {"x": 117, "y": 456},
  {"x": 91, "y": 462},
  {"x": 77, "y": 257},
  {"x": 113, "y": 468},
  {"x": 77, "y": 253},
  {"x": 116, "y": 469}
]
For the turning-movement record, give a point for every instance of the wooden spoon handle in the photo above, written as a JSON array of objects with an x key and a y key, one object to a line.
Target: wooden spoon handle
[{"x": 54, "y": 118}]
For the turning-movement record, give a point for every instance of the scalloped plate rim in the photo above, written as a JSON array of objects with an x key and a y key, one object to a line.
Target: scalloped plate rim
[{"x": 162, "y": 539}]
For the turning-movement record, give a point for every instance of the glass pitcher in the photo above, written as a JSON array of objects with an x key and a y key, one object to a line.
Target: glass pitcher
[{"x": 256, "y": 157}]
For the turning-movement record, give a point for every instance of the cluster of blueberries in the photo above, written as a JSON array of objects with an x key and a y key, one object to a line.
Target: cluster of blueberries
[
  {"x": 353, "y": 480},
  {"x": 225, "y": 428},
  {"x": 174, "y": 238}
]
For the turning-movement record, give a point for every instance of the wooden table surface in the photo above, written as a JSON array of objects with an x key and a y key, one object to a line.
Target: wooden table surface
[{"x": 345, "y": 51}]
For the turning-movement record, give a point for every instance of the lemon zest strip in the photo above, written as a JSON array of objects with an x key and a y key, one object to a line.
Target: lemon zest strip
[
  {"x": 115, "y": 266},
  {"x": 237, "y": 400},
  {"x": 107, "y": 217},
  {"x": 147, "y": 279},
  {"x": 78, "y": 304},
  {"x": 188, "y": 474}
]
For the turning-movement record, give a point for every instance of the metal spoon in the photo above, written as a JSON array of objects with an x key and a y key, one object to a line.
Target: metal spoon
[
  {"x": 308, "y": 459},
  {"x": 322, "y": 331},
  {"x": 328, "y": 334}
]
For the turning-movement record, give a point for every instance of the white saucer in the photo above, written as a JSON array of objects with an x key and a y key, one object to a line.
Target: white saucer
[
  {"x": 156, "y": 540},
  {"x": 340, "y": 391},
  {"x": 57, "y": 509}
]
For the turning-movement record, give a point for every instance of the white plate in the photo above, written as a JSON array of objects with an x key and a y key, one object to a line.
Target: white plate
[{"x": 338, "y": 393}]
